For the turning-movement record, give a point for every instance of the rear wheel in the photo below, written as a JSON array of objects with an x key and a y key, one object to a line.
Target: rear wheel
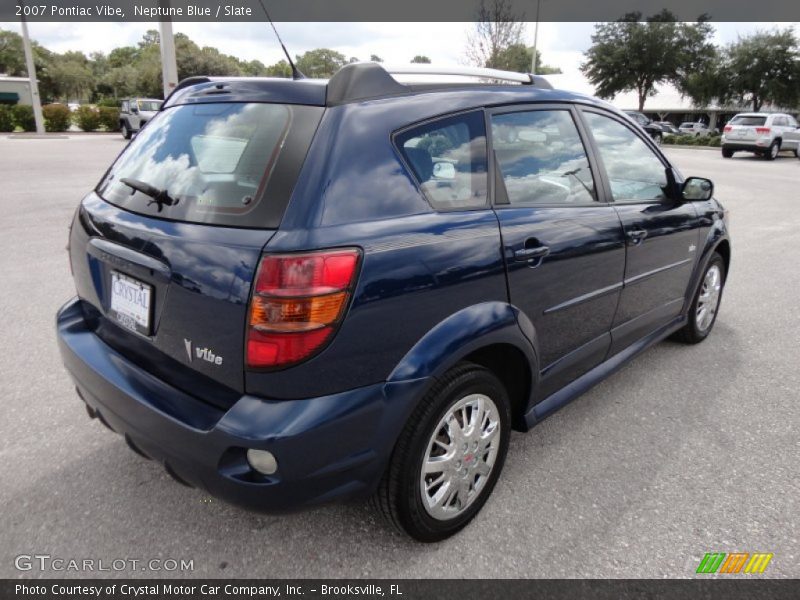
[
  {"x": 705, "y": 305},
  {"x": 449, "y": 455},
  {"x": 727, "y": 153},
  {"x": 772, "y": 151},
  {"x": 126, "y": 132}
]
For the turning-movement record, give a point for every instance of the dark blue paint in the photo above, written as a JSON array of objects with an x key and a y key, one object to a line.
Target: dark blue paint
[{"x": 434, "y": 288}]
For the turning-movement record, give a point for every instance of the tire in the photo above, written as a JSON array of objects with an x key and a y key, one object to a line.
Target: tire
[
  {"x": 772, "y": 152},
  {"x": 727, "y": 153},
  {"x": 797, "y": 152},
  {"x": 658, "y": 138},
  {"x": 126, "y": 132},
  {"x": 400, "y": 496},
  {"x": 697, "y": 328}
]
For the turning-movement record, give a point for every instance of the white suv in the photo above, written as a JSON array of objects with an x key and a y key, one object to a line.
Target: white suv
[{"x": 763, "y": 133}]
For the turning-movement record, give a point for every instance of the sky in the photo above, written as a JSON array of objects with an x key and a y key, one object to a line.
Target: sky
[{"x": 561, "y": 44}]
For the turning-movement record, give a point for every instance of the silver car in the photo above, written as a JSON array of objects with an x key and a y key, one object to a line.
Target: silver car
[
  {"x": 135, "y": 112},
  {"x": 695, "y": 129},
  {"x": 765, "y": 134}
]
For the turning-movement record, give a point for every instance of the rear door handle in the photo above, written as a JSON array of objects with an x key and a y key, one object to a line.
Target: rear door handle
[
  {"x": 528, "y": 254},
  {"x": 636, "y": 236}
]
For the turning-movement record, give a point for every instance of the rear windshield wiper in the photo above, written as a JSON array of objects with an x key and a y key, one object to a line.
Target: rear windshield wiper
[{"x": 159, "y": 197}]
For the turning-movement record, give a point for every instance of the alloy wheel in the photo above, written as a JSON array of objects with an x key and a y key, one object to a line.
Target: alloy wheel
[
  {"x": 708, "y": 300},
  {"x": 460, "y": 456}
]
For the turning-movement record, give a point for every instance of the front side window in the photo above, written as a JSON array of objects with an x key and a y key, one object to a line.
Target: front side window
[
  {"x": 635, "y": 173},
  {"x": 542, "y": 158},
  {"x": 448, "y": 160}
]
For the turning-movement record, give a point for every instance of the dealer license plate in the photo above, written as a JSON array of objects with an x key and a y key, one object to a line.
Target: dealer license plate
[{"x": 130, "y": 302}]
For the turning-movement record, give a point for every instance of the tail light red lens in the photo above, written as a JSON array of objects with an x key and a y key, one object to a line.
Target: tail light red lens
[
  {"x": 298, "y": 301},
  {"x": 727, "y": 128},
  {"x": 762, "y": 130}
]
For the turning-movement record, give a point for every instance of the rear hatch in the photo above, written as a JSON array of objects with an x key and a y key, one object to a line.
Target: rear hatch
[
  {"x": 745, "y": 128},
  {"x": 165, "y": 250}
]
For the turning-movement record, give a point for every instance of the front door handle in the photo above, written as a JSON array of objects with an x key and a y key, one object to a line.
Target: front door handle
[{"x": 636, "y": 236}]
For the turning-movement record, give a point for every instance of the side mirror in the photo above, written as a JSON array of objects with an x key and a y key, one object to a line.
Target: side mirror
[
  {"x": 697, "y": 188},
  {"x": 444, "y": 170}
]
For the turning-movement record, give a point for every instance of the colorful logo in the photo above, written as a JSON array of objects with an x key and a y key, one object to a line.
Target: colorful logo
[{"x": 736, "y": 562}]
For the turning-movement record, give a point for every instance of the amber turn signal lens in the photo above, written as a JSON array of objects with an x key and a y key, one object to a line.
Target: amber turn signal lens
[{"x": 270, "y": 313}]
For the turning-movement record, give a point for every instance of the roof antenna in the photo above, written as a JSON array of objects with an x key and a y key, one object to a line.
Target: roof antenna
[{"x": 296, "y": 74}]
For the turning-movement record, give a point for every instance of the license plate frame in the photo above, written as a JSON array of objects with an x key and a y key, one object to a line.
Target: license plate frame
[{"x": 131, "y": 303}]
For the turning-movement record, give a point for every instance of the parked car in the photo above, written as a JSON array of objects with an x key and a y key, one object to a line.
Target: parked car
[
  {"x": 696, "y": 129},
  {"x": 134, "y": 113},
  {"x": 653, "y": 129},
  {"x": 73, "y": 106},
  {"x": 765, "y": 134},
  {"x": 295, "y": 292},
  {"x": 668, "y": 128}
]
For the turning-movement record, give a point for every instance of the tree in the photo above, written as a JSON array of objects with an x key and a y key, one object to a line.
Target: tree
[
  {"x": 12, "y": 57},
  {"x": 420, "y": 59},
  {"x": 496, "y": 29},
  {"x": 762, "y": 68},
  {"x": 518, "y": 57},
  {"x": 629, "y": 54},
  {"x": 375, "y": 58},
  {"x": 497, "y": 41},
  {"x": 320, "y": 63},
  {"x": 279, "y": 69}
]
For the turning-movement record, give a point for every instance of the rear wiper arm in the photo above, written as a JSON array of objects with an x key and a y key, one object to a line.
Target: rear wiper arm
[{"x": 159, "y": 197}]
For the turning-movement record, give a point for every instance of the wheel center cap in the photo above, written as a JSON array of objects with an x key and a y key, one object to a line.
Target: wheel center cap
[{"x": 469, "y": 459}]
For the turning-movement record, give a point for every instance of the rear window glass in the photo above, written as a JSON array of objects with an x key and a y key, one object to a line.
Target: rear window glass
[
  {"x": 748, "y": 121},
  {"x": 149, "y": 105},
  {"x": 221, "y": 163}
]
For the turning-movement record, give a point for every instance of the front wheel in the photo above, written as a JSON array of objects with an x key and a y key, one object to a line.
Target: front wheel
[
  {"x": 126, "y": 132},
  {"x": 449, "y": 455},
  {"x": 705, "y": 305}
]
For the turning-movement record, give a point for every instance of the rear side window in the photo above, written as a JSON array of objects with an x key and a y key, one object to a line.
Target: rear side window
[
  {"x": 748, "y": 121},
  {"x": 220, "y": 163},
  {"x": 448, "y": 160}
]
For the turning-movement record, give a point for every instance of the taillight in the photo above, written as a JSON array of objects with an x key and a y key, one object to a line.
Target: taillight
[
  {"x": 727, "y": 128},
  {"x": 762, "y": 130},
  {"x": 298, "y": 301}
]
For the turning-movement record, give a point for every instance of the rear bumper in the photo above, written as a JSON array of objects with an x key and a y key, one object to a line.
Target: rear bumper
[
  {"x": 327, "y": 448},
  {"x": 746, "y": 146}
]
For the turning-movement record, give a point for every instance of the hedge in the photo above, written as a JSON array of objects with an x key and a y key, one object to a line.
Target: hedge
[
  {"x": 109, "y": 117},
  {"x": 87, "y": 118},
  {"x": 693, "y": 140},
  {"x": 57, "y": 117},
  {"x": 6, "y": 118},
  {"x": 23, "y": 117}
]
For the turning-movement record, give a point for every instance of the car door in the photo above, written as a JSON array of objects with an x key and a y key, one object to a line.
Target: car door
[
  {"x": 564, "y": 246},
  {"x": 661, "y": 232},
  {"x": 789, "y": 133}
]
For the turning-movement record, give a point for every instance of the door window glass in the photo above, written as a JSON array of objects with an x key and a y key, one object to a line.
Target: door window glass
[
  {"x": 635, "y": 173},
  {"x": 448, "y": 159},
  {"x": 542, "y": 158}
]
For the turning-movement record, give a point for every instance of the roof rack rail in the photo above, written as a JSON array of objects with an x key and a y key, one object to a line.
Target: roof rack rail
[
  {"x": 360, "y": 81},
  {"x": 483, "y": 73}
]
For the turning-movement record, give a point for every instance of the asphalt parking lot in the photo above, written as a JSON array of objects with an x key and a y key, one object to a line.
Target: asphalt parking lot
[{"x": 687, "y": 450}]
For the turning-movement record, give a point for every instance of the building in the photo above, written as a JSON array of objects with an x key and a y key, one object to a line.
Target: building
[
  {"x": 15, "y": 90},
  {"x": 667, "y": 105}
]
